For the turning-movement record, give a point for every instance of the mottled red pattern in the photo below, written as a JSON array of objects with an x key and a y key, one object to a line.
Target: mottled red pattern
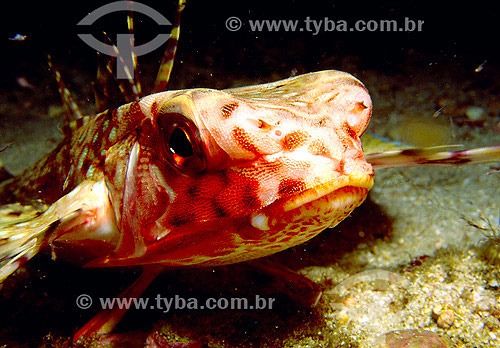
[
  {"x": 294, "y": 140},
  {"x": 243, "y": 140}
]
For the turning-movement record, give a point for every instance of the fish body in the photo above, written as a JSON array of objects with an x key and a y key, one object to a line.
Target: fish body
[{"x": 202, "y": 177}]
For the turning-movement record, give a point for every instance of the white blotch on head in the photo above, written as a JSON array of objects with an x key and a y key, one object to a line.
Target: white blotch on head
[{"x": 260, "y": 221}]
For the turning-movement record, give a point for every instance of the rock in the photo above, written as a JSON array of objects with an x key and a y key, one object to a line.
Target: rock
[
  {"x": 475, "y": 113},
  {"x": 410, "y": 339},
  {"x": 446, "y": 319},
  {"x": 444, "y": 316},
  {"x": 491, "y": 322}
]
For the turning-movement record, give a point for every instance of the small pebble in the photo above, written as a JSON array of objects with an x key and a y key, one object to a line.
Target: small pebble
[
  {"x": 494, "y": 284},
  {"x": 444, "y": 316},
  {"x": 411, "y": 339},
  {"x": 446, "y": 319},
  {"x": 491, "y": 322},
  {"x": 486, "y": 304},
  {"x": 436, "y": 311},
  {"x": 475, "y": 113}
]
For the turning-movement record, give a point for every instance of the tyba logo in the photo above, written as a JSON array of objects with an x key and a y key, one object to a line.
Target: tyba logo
[{"x": 124, "y": 42}]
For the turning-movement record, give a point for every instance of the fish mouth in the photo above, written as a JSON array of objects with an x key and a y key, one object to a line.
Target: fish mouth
[
  {"x": 299, "y": 218},
  {"x": 340, "y": 185}
]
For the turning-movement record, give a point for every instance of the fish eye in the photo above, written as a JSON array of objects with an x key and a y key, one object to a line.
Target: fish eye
[
  {"x": 180, "y": 144},
  {"x": 181, "y": 140}
]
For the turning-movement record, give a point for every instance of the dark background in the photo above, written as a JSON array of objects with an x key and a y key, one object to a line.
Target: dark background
[{"x": 460, "y": 33}]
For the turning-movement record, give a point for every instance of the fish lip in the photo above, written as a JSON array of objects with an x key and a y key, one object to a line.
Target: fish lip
[{"x": 364, "y": 181}]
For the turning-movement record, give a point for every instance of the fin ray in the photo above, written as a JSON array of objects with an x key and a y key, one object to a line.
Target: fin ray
[
  {"x": 167, "y": 61},
  {"x": 71, "y": 108},
  {"x": 432, "y": 156},
  {"x": 20, "y": 237}
]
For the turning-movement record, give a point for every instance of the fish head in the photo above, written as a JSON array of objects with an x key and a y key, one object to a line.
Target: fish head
[{"x": 218, "y": 177}]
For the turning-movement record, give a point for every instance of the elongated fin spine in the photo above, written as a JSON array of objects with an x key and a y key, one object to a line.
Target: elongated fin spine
[
  {"x": 433, "y": 157},
  {"x": 107, "y": 94},
  {"x": 71, "y": 108},
  {"x": 167, "y": 62},
  {"x": 130, "y": 92},
  {"x": 130, "y": 25}
]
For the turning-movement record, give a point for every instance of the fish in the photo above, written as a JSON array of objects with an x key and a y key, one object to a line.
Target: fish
[
  {"x": 18, "y": 37},
  {"x": 480, "y": 67},
  {"x": 199, "y": 177}
]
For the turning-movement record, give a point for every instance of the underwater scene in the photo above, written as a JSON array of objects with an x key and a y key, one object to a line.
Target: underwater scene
[{"x": 254, "y": 174}]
